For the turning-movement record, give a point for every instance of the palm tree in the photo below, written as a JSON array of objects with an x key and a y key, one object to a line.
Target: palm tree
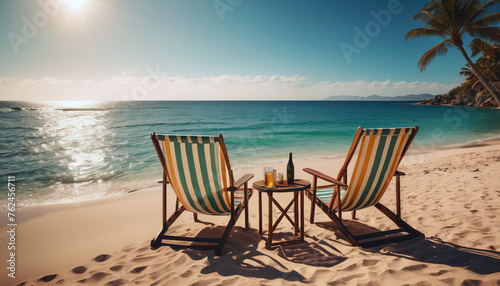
[
  {"x": 453, "y": 20},
  {"x": 471, "y": 80},
  {"x": 490, "y": 61}
]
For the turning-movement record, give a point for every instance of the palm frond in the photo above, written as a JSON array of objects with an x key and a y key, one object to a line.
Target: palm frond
[
  {"x": 477, "y": 84},
  {"x": 424, "y": 14},
  {"x": 424, "y": 32},
  {"x": 488, "y": 20},
  {"x": 465, "y": 72},
  {"x": 491, "y": 3},
  {"x": 478, "y": 46},
  {"x": 471, "y": 10},
  {"x": 432, "y": 14},
  {"x": 491, "y": 34},
  {"x": 439, "y": 49}
]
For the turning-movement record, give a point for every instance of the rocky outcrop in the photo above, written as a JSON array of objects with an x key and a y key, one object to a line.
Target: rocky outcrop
[{"x": 464, "y": 95}]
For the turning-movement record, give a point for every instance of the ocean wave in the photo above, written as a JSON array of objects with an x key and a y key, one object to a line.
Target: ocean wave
[
  {"x": 315, "y": 133},
  {"x": 5, "y": 110},
  {"x": 84, "y": 109},
  {"x": 173, "y": 125},
  {"x": 16, "y": 108},
  {"x": 17, "y": 128},
  {"x": 138, "y": 125}
]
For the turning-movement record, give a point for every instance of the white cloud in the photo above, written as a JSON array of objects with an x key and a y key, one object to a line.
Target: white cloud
[
  {"x": 43, "y": 81},
  {"x": 156, "y": 86},
  {"x": 6, "y": 81}
]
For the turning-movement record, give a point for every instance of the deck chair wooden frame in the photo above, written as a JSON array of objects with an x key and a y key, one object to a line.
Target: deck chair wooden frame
[
  {"x": 379, "y": 156},
  {"x": 197, "y": 168}
]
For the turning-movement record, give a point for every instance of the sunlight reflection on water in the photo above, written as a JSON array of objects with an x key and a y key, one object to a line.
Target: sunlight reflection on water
[{"x": 77, "y": 142}]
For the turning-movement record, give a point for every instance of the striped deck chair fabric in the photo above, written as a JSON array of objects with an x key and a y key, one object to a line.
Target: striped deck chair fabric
[
  {"x": 379, "y": 153},
  {"x": 197, "y": 172},
  {"x": 197, "y": 168}
]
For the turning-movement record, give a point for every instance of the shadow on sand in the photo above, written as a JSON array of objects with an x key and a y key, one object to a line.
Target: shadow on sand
[
  {"x": 428, "y": 250},
  {"x": 242, "y": 257}
]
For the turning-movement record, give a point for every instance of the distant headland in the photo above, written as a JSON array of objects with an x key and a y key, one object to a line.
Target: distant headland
[
  {"x": 465, "y": 94},
  {"x": 409, "y": 97}
]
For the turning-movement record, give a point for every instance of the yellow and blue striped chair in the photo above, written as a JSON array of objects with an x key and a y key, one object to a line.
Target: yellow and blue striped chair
[
  {"x": 379, "y": 154},
  {"x": 198, "y": 169}
]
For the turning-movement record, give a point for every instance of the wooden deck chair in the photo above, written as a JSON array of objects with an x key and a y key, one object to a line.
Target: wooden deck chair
[
  {"x": 198, "y": 169},
  {"x": 379, "y": 154}
]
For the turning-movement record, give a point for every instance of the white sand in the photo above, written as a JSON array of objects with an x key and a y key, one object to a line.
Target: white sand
[{"x": 452, "y": 196}]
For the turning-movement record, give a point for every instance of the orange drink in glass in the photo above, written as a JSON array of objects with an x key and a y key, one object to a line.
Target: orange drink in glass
[{"x": 269, "y": 177}]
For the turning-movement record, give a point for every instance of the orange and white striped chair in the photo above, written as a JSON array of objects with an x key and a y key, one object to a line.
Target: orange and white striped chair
[
  {"x": 199, "y": 172},
  {"x": 379, "y": 153}
]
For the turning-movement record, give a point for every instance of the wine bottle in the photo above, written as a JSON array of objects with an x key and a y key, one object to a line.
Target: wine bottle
[{"x": 290, "y": 170}]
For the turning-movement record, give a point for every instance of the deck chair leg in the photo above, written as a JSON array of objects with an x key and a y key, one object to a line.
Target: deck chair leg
[
  {"x": 156, "y": 242},
  {"x": 334, "y": 218},
  {"x": 225, "y": 236},
  {"x": 353, "y": 214},
  {"x": 397, "y": 220},
  {"x": 313, "y": 205},
  {"x": 247, "y": 224},
  {"x": 195, "y": 216},
  {"x": 343, "y": 228},
  {"x": 312, "y": 197},
  {"x": 227, "y": 231}
]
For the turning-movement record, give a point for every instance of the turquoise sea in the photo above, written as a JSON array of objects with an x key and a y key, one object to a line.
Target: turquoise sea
[{"x": 71, "y": 151}]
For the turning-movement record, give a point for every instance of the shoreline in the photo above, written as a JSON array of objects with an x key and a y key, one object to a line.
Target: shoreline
[
  {"x": 254, "y": 166},
  {"x": 56, "y": 238}
]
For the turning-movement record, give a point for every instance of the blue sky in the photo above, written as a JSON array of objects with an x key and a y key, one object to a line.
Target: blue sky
[{"x": 215, "y": 49}]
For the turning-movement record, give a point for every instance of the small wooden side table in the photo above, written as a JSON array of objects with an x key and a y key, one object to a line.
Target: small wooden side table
[{"x": 297, "y": 188}]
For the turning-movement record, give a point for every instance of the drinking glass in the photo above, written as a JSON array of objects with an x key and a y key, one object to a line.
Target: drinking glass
[{"x": 269, "y": 177}]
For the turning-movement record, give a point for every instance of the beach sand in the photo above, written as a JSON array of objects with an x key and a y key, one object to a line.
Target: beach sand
[{"x": 451, "y": 195}]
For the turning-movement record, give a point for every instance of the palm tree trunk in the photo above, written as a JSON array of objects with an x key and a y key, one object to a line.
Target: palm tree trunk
[{"x": 485, "y": 83}]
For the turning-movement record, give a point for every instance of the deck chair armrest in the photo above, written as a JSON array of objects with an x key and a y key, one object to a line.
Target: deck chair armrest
[
  {"x": 399, "y": 173},
  {"x": 324, "y": 177},
  {"x": 244, "y": 179}
]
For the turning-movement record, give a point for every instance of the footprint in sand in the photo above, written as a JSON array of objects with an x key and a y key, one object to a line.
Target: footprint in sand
[
  {"x": 187, "y": 273},
  {"x": 369, "y": 262},
  {"x": 48, "y": 278},
  {"x": 79, "y": 270},
  {"x": 102, "y": 258},
  {"x": 441, "y": 272},
  {"x": 471, "y": 282},
  {"x": 350, "y": 268},
  {"x": 414, "y": 267},
  {"x": 116, "y": 268},
  {"x": 138, "y": 270},
  {"x": 98, "y": 277},
  {"x": 117, "y": 282}
]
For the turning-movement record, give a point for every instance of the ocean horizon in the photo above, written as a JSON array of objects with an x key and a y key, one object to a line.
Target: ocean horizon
[{"x": 72, "y": 151}]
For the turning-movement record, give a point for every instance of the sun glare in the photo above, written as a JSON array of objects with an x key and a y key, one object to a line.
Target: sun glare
[
  {"x": 74, "y": 4},
  {"x": 73, "y": 104}
]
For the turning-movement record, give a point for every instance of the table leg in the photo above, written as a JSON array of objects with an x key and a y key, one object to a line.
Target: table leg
[
  {"x": 270, "y": 222},
  {"x": 302, "y": 216},
  {"x": 260, "y": 213},
  {"x": 296, "y": 212}
]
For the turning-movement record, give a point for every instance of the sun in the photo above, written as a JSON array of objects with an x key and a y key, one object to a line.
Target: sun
[{"x": 74, "y": 4}]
